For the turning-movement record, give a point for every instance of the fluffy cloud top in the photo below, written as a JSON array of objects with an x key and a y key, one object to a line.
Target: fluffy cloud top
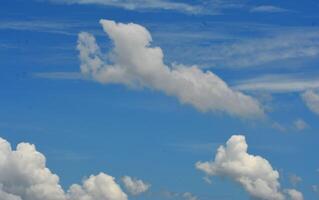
[
  {"x": 312, "y": 100},
  {"x": 135, "y": 186},
  {"x": 133, "y": 62},
  {"x": 254, "y": 173},
  {"x": 24, "y": 176}
]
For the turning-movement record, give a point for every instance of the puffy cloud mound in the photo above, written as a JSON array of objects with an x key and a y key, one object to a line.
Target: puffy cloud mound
[
  {"x": 254, "y": 173},
  {"x": 294, "y": 194},
  {"x": 101, "y": 186},
  {"x": 134, "y": 63},
  {"x": 312, "y": 100},
  {"x": 135, "y": 186},
  {"x": 24, "y": 176}
]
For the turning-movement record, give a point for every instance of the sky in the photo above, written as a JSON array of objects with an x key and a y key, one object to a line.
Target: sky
[{"x": 159, "y": 99}]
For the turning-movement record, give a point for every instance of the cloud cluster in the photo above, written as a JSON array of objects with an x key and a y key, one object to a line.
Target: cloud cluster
[
  {"x": 135, "y": 186},
  {"x": 24, "y": 176},
  {"x": 312, "y": 100},
  {"x": 254, "y": 173},
  {"x": 134, "y": 63}
]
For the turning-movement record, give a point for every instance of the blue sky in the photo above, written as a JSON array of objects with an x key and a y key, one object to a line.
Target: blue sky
[{"x": 267, "y": 51}]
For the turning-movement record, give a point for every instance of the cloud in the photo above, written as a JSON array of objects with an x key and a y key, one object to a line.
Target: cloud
[
  {"x": 24, "y": 176},
  {"x": 59, "y": 75},
  {"x": 135, "y": 186},
  {"x": 294, "y": 194},
  {"x": 268, "y": 8},
  {"x": 300, "y": 124},
  {"x": 253, "y": 173},
  {"x": 219, "y": 45},
  {"x": 294, "y": 179},
  {"x": 278, "y": 83},
  {"x": 139, "y": 4},
  {"x": 189, "y": 196},
  {"x": 134, "y": 63},
  {"x": 312, "y": 100},
  {"x": 176, "y": 195}
]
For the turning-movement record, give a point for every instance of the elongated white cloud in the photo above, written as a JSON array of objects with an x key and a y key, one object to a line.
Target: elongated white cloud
[
  {"x": 133, "y": 62},
  {"x": 139, "y": 4},
  {"x": 24, "y": 176},
  {"x": 268, "y": 8},
  {"x": 135, "y": 186},
  {"x": 312, "y": 100},
  {"x": 278, "y": 83},
  {"x": 254, "y": 173}
]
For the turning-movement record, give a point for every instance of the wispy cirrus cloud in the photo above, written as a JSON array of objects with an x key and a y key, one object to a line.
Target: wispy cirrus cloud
[
  {"x": 275, "y": 83},
  {"x": 219, "y": 44},
  {"x": 139, "y": 4},
  {"x": 268, "y": 9}
]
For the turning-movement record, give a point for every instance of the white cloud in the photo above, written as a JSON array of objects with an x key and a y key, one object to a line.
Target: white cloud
[
  {"x": 139, "y": 4},
  {"x": 135, "y": 186},
  {"x": 189, "y": 196},
  {"x": 312, "y": 100},
  {"x": 24, "y": 176},
  {"x": 268, "y": 8},
  {"x": 101, "y": 186},
  {"x": 300, "y": 124},
  {"x": 254, "y": 173},
  {"x": 133, "y": 62},
  {"x": 59, "y": 75},
  {"x": 278, "y": 83},
  {"x": 294, "y": 194}
]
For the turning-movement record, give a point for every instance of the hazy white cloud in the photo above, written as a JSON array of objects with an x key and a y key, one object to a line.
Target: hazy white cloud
[
  {"x": 135, "y": 186},
  {"x": 254, "y": 173},
  {"x": 24, "y": 176},
  {"x": 189, "y": 196},
  {"x": 278, "y": 83},
  {"x": 294, "y": 194},
  {"x": 176, "y": 195},
  {"x": 268, "y": 8},
  {"x": 300, "y": 124},
  {"x": 267, "y": 45},
  {"x": 294, "y": 179},
  {"x": 139, "y": 4},
  {"x": 315, "y": 188},
  {"x": 59, "y": 75},
  {"x": 312, "y": 100},
  {"x": 278, "y": 126},
  {"x": 133, "y": 62}
]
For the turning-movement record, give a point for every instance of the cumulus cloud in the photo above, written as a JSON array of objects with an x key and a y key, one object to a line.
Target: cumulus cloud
[
  {"x": 135, "y": 186},
  {"x": 253, "y": 173},
  {"x": 24, "y": 176},
  {"x": 134, "y": 63},
  {"x": 312, "y": 100}
]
